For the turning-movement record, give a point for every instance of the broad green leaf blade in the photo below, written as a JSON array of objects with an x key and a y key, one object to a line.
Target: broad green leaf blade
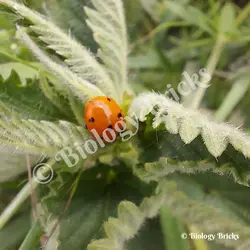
[
  {"x": 234, "y": 96},
  {"x": 32, "y": 239},
  {"x": 28, "y": 101},
  {"x": 155, "y": 171},
  {"x": 78, "y": 109},
  {"x": 69, "y": 16},
  {"x": 99, "y": 191},
  {"x": 199, "y": 214},
  {"x": 19, "y": 227},
  {"x": 39, "y": 137},
  {"x": 22, "y": 70},
  {"x": 79, "y": 59},
  {"x": 77, "y": 85},
  {"x": 186, "y": 135},
  {"x": 108, "y": 24},
  {"x": 150, "y": 6},
  {"x": 130, "y": 219},
  {"x": 172, "y": 229},
  {"x": 191, "y": 14},
  {"x": 216, "y": 191},
  {"x": 57, "y": 97},
  {"x": 148, "y": 237},
  {"x": 13, "y": 163},
  {"x": 227, "y": 18}
]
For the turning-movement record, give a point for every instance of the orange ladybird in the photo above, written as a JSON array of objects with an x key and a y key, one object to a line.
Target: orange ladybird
[{"x": 102, "y": 113}]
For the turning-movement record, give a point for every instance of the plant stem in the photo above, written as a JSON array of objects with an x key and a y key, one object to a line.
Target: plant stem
[
  {"x": 157, "y": 30},
  {"x": 19, "y": 199},
  {"x": 236, "y": 93},
  {"x": 32, "y": 189},
  {"x": 32, "y": 65},
  {"x": 15, "y": 204},
  {"x": 243, "y": 15},
  {"x": 210, "y": 67},
  {"x": 33, "y": 237},
  {"x": 14, "y": 58}
]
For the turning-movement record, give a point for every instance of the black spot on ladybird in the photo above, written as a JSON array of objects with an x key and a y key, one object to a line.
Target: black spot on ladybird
[
  {"x": 109, "y": 99},
  {"x": 119, "y": 115},
  {"x": 91, "y": 119}
]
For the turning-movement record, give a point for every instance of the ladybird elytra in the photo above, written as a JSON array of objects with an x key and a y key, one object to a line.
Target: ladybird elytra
[{"x": 101, "y": 114}]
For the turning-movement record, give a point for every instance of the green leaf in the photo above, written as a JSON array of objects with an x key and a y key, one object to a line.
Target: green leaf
[
  {"x": 172, "y": 228},
  {"x": 6, "y": 20},
  {"x": 227, "y": 18},
  {"x": 27, "y": 100},
  {"x": 215, "y": 191},
  {"x": 234, "y": 96},
  {"x": 22, "y": 70},
  {"x": 99, "y": 191},
  {"x": 108, "y": 24},
  {"x": 32, "y": 239},
  {"x": 69, "y": 16},
  {"x": 185, "y": 135},
  {"x": 18, "y": 228},
  {"x": 79, "y": 86},
  {"x": 13, "y": 163},
  {"x": 218, "y": 191},
  {"x": 55, "y": 95},
  {"x": 149, "y": 236},
  {"x": 155, "y": 171},
  {"x": 78, "y": 109},
  {"x": 199, "y": 214},
  {"x": 38, "y": 137},
  {"x": 191, "y": 14},
  {"x": 88, "y": 70},
  {"x": 131, "y": 218},
  {"x": 150, "y": 6}
]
